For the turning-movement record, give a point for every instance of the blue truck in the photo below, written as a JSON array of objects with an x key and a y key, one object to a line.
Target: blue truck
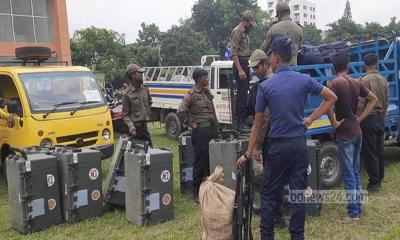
[
  {"x": 388, "y": 50},
  {"x": 169, "y": 84}
]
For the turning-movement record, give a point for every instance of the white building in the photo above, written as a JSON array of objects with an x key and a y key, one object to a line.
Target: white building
[{"x": 302, "y": 11}]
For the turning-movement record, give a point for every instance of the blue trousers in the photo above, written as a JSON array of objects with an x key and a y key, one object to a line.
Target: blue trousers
[
  {"x": 349, "y": 153},
  {"x": 287, "y": 160}
]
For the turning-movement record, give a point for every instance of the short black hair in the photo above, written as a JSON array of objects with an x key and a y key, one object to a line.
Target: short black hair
[
  {"x": 370, "y": 59},
  {"x": 285, "y": 55},
  {"x": 198, "y": 73},
  {"x": 340, "y": 62}
]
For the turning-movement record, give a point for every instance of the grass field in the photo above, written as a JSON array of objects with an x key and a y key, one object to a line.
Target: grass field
[{"x": 381, "y": 219}]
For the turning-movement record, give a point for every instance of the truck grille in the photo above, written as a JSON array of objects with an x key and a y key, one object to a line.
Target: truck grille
[
  {"x": 72, "y": 138},
  {"x": 85, "y": 144}
]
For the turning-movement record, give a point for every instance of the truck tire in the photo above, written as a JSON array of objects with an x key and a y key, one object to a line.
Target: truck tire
[
  {"x": 173, "y": 126},
  {"x": 330, "y": 174}
]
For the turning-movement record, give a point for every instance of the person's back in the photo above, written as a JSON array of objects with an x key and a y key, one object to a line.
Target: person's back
[{"x": 287, "y": 27}]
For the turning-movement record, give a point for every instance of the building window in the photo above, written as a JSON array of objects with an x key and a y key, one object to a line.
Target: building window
[
  {"x": 271, "y": 12},
  {"x": 296, "y": 7},
  {"x": 270, "y": 4},
  {"x": 304, "y": 7},
  {"x": 26, "y": 21},
  {"x": 305, "y": 15}
]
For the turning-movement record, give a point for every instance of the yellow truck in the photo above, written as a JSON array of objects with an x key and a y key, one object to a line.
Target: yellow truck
[{"x": 52, "y": 105}]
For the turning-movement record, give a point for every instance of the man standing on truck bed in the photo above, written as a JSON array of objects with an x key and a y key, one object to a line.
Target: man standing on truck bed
[
  {"x": 348, "y": 131},
  {"x": 240, "y": 44},
  {"x": 197, "y": 110},
  {"x": 287, "y": 27},
  {"x": 136, "y": 104},
  {"x": 373, "y": 126}
]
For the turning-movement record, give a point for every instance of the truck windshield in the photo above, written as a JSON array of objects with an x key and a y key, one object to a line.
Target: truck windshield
[{"x": 46, "y": 90}]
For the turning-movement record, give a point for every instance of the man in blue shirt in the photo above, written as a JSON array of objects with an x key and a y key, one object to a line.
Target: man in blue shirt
[{"x": 287, "y": 157}]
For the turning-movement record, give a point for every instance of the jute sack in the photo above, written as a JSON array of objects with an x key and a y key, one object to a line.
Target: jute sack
[{"x": 216, "y": 206}]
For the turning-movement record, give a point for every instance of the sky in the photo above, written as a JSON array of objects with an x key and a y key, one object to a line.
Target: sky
[{"x": 125, "y": 16}]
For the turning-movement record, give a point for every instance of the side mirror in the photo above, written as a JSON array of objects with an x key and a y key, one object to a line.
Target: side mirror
[{"x": 12, "y": 107}]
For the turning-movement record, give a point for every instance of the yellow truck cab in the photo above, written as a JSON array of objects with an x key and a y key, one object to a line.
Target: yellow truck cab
[{"x": 52, "y": 105}]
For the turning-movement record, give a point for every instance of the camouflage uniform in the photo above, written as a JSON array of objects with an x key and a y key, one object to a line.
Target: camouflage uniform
[
  {"x": 136, "y": 107},
  {"x": 197, "y": 108}
]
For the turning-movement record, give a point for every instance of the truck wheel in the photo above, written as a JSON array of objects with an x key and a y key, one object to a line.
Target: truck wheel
[
  {"x": 330, "y": 174},
  {"x": 173, "y": 126}
]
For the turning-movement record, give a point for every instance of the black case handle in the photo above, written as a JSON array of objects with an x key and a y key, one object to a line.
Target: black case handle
[
  {"x": 68, "y": 148},
  {"x": 20, "y": 151},
  {"x": 218, "y": 135},
  {"x": 140, "y": 144}
]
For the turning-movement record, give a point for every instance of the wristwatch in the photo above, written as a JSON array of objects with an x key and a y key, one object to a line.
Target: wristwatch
[{"x": 245, "y": 156}]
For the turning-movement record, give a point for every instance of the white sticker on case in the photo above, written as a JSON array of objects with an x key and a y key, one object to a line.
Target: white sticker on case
[{"x": 50, "y": 180}]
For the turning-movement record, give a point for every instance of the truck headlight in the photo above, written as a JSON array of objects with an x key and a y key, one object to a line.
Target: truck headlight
[
  {"x": 106, "y": 135},
  {"x": 46, "y": 143}
]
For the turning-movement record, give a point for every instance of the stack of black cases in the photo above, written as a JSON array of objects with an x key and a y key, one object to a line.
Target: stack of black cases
[
  {"x": 33, "y": 191},
  {"x": 149, "y": 185},
  {"x": 186, "y": 161}
]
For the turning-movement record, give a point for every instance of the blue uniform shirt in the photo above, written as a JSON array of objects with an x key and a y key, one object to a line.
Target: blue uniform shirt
[{"x": 285, "y": 95}]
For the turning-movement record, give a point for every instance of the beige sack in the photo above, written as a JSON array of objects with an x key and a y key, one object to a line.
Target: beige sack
[{"x": 216, "y": 206}]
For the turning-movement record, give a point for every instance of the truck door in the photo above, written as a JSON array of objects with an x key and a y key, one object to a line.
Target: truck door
[
  {"x": 13, "y": 136},
  {"x": 223, "y": 99}
]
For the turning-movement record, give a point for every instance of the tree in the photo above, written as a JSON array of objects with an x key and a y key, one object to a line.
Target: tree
[
  {"x": 181, "y": 45},
  {"x": 347, "y": 11},
  {"x": 101, "y": 50},
  {"x": 207, "y": 18},
  {"x": 217, "y": 18},
  {"x": 312, "y": 34},
  {"x": 147, "y": 47},
  {"x": 373, "y": 28},
  {"x": 394, "y": 26},
  {"x": 343, "y": 29}
]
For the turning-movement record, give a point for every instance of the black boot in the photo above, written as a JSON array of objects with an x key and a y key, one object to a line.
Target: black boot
[{"x": 373, "y": 188}]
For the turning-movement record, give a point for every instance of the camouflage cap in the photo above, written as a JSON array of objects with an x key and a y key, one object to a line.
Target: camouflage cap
[
  {"x": 131, "y": 68},
  {"x": 282, "y": 6},
  {"x": 256, "y": 57},
  {"x": 249, "y": 16}
]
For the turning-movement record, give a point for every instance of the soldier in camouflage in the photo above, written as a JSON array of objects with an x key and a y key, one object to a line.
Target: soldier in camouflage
[
  {"x": 197, "y": 111},
  {"x": 136, "y": 104}
]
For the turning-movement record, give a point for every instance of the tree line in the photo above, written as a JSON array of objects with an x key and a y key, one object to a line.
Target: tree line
[{"x": 204, "y": 32}]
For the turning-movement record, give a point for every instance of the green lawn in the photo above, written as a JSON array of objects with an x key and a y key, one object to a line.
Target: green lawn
[{"x": 381, "y": 219}]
